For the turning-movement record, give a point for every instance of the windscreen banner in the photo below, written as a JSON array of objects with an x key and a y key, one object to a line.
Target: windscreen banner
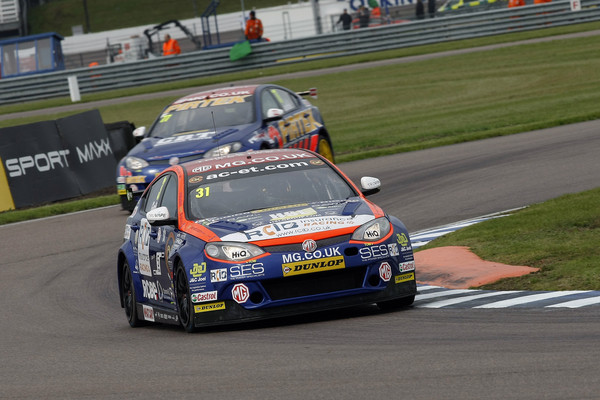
[{"x": 49, "y": 161}]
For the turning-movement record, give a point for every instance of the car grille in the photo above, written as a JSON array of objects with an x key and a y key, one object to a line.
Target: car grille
[
  {"x": 315, "y": 283},
  {"x": 181, "y": 160},
  {"x": 296, "y": 247}
]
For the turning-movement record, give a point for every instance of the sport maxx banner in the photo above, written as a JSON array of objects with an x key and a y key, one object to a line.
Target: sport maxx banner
[{"x": 54, "y": 160}]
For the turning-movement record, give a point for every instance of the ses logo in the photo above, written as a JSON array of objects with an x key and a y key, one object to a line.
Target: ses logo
[
  {"x": 246, "y": 270},
  {"x": 377, "y": 252}
]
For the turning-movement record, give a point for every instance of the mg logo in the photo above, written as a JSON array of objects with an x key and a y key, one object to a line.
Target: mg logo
[
  {"x": 241, "y": 293},
  {"x": 309, "y": 245},
  {"x": 385, "y": 271}
]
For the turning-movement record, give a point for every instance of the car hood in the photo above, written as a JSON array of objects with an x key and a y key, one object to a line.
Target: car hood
[
  {"x": 323, "y": 218},
  {"x": 157, "y": 148}
]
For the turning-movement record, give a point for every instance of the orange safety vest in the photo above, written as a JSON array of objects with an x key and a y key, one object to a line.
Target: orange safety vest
[
  {"x": 516, "y": 3},
  {"x": 171, "y": 48},
  {"x": 254, "y": 29}
]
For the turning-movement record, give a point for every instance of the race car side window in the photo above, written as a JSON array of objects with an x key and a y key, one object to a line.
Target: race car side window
[
  {"x": 169, "y": 199},
  {"x": 286, "y": 100},
  {"x": 152, "y": 201},
  {"x": 267, "y": 101}
]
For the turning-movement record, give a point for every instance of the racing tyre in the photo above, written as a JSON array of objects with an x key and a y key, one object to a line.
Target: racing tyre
[
  {"x": 126, "y": 204},
  {"x": 397, "y": 303},
  {"x": 324, "y": 148},
  {"x": 129, "y": 300},
  {"x": 184, "y": 300}
]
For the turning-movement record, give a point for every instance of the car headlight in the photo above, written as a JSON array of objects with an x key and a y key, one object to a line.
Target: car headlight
[
  {"x": 135, "y": 163},
  {"x": 232, "y": 251},
  {"x": 373, "y": 230},
  {"x": 223, "y": 150}
]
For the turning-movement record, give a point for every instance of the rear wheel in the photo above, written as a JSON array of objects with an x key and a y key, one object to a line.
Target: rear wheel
[
  {"x": 324, "y": 148},
  {"x": 397, "y": 303},
  {"x": 126, "y": 204},
  {"x": 184, "y": 300},
  {"x": 129, "y": 300}
]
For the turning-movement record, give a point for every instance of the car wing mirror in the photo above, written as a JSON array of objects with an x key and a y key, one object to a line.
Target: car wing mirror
[
  {"x": 160, "y": 216},
  {"x": 274, "y": 114},
  {"x": 138, "y": 133},
  {"x": 369, "y": 185}
]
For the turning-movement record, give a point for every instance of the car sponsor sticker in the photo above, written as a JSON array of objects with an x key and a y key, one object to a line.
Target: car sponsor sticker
[
  {"x": 309, "y": 245},
  {"x": 240, "y": 293},
  {"x": 245, "y": 271},
  {"x": 198, "y": 270},
  {"x": 407, "y": 266},
  {"x": 184, "y": 138},
  {"x": 310, "y": 266},
  {"x": 143, "y": 245},
  {"x": 135, "y": 179},
  {"x": 218, "y": 275},
  {"x": 321, "y": 253},
  {"x": 298, "y": 125},
  {"x": 200, "y": 308},
  {"x": 298, "y": 227},
  {"x": 204, "y": 296},
  {"x": 150, "y": 290},
  {"x": 405, "y": 277},
  {"x": 148, "y": 313},
  {"x": 305, "y": 212},
  {"x": 403, "y": 242},
  {"x": 385, "y": 271}
]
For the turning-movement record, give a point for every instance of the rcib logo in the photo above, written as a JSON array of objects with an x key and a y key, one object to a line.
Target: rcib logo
[
  {"x": 218, "y": 275},
  {"x": 240, "y": 293}
]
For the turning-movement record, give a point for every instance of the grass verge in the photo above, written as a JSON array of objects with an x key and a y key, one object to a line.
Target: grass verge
[
  {"x": 8, "y": 217},
  {"x": 559, "y": 236}
]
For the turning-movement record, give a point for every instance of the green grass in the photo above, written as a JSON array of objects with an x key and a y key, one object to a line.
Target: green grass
[
  {"x": 8, "y": 217},
  {"x": 559, "y": 236}
]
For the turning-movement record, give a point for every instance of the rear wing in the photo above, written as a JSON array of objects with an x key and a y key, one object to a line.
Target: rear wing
[{"x": 312, "y": 92}]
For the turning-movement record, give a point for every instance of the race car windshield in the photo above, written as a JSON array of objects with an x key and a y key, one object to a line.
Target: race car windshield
[
  {"x": 188, "y": 117},
  {"x": 231, "y": 196}
]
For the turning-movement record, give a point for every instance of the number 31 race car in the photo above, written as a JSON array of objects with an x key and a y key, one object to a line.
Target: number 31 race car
[
  {"x": 219, "y": 122},
  {"x": 258, "y": 235}
]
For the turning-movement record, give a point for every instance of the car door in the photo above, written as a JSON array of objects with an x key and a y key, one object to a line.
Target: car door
[
  {"x": 297, "y": 125},
  {"x": 153, "y": 243}
]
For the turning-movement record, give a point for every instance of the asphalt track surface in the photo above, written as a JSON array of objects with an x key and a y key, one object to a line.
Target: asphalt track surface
[{"x": 64, "y": 334}]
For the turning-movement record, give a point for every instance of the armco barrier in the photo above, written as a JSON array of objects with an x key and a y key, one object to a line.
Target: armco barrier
[{"x": 212, "y": 62}]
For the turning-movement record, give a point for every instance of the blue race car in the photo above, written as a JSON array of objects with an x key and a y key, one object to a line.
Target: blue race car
[
  {"x": 219, "y": 122},
  {"x": 259, "y": 235}
]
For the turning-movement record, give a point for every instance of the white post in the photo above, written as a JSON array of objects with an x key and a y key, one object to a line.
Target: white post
[{"x": 74, "y": 88}]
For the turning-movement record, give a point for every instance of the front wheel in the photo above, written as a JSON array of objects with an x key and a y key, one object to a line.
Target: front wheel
[
  {"x": 129, "y": 300},
  {"x": 324, "y": 148},
  {"x": 184, "y": 300}
]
